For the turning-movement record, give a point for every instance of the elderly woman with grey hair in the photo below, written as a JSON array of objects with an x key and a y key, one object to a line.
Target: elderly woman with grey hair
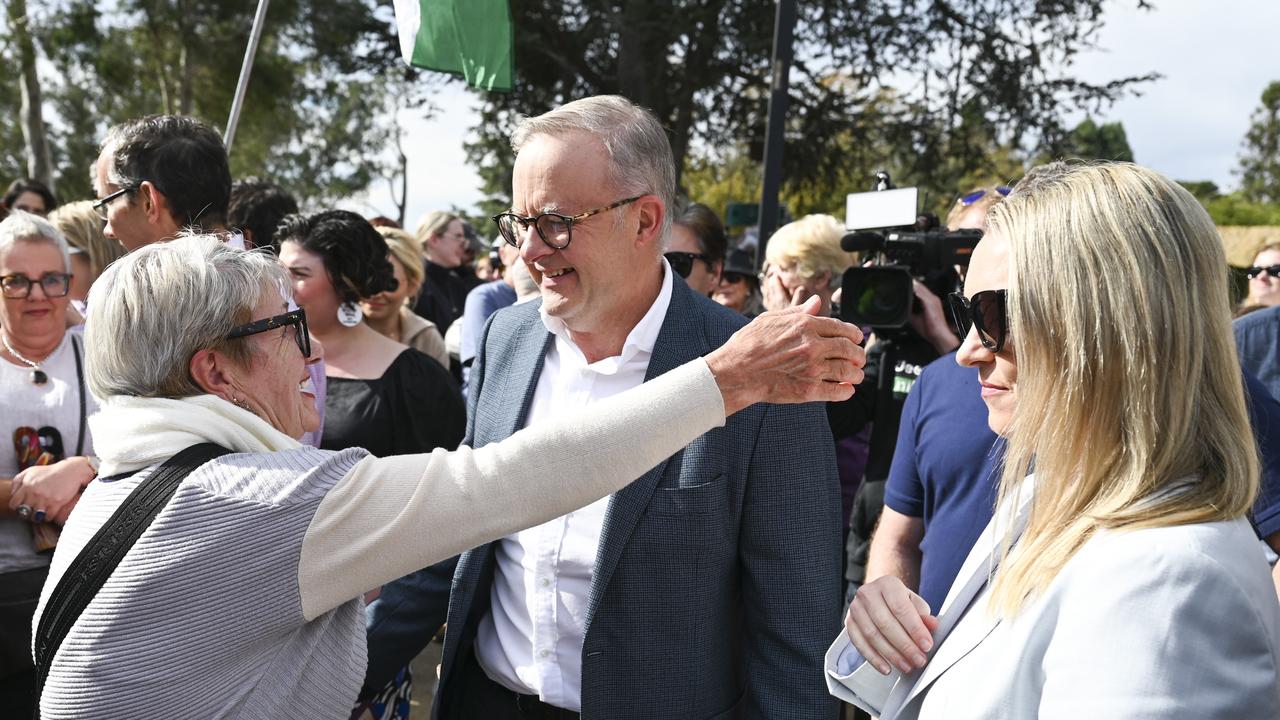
[
  {"x": 43, "y": 408},
  {"x": 242, "y": 597}
]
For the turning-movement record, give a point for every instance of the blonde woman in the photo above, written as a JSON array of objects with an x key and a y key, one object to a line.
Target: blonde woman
[
  {"x": 388, "y": 312},
  {"x": 91, "y": 251},
  {"x": 445, "y": 288},
  {"x": 804, "y": 258},
  {"x": 1123, "y": 579}
]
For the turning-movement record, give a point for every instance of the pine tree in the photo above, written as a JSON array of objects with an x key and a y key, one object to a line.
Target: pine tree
[{"x": 1260, "y": 162}]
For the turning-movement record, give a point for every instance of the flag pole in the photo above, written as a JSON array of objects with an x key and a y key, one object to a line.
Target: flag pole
[{"x": 237, "y": 103}]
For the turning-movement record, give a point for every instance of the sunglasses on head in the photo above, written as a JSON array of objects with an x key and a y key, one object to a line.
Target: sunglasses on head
[
  {"x": 984, "y": 312},
  {"x": 1255, "y": 271},
  {"x": 977, "y": 195},
  {"x": 682, "y": 262}
]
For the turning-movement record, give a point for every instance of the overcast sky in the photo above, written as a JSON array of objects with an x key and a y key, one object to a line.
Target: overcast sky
[{"x": 1216, "y": 58}]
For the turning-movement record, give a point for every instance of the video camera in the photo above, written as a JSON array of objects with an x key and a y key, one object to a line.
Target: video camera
[{"x": 907, "y": 245}]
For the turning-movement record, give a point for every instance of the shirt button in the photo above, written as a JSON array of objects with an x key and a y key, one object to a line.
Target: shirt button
[
  {"x": 546, "y": 582},
  {"x": 545, "y": 653}
]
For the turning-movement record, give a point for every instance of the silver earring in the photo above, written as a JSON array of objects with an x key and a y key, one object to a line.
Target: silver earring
[{"x": 350, "y": 314}]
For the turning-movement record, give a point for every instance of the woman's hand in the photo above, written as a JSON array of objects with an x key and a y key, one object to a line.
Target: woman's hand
[
  {"x": 889, "y": 624},
  {"x": 51, "y": 491},
  {"x": 789, "y": 356},
  {"x": 776, "y": 296}
]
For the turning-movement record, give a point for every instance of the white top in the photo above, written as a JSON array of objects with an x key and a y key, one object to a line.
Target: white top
[
  {"x": 1171, "y": 622},
  {"x": 24, "y": 404},
  {"x": 531, "y": 640}
]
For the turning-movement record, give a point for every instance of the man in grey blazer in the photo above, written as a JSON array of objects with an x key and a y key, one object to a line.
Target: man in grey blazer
[{"x": 708, "y": 587}]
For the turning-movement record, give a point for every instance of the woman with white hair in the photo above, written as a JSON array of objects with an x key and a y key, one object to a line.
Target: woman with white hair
[
  {"x": 242, "y": 597},
  {"x": 44, "y": 404},
  {"x": 1123, "y": 578}
]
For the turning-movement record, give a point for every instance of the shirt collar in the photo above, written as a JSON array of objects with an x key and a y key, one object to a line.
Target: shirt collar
[{"x": 642, "y": 338}]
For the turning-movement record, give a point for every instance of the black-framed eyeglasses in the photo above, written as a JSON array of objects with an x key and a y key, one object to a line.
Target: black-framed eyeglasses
[
  {"x": 556, "y": 230},
  {"x": 18, "y": 286},
  {"x": 296, "y": 317},
  {"x": 101, "y": 206},
  {"x": 977, "y": 195},
  {"x": 985, "y": 312},
  {"x": 682, "y": 262},
  {"x": 1255, "y": 271}
]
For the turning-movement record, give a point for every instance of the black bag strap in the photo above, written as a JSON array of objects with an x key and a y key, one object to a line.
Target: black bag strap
[{"x": 89, "y": 571}]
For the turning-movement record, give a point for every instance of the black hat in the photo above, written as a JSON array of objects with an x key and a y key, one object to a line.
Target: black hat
[{"x": 740, "y": 262}]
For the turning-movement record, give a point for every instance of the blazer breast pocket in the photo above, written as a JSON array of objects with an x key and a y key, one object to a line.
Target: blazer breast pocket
[{"x": 701, "y": 499}]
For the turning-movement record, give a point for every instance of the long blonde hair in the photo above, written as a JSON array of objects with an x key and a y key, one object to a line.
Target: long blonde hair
[{"x": 1128, "y": 377}]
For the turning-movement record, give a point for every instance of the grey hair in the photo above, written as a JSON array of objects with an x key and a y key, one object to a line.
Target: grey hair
[
  {"x": 639, "y": 153},
  {"x": 30, "y": 227},
  {"x": 153, "y": 309}
]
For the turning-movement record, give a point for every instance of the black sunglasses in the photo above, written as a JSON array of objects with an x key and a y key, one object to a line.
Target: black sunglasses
[
  {"x": 297, "y": 317},
  {"x": 1255, "y": 271},
  {"x": 985, "y": 311},
  {"x": 682, "y": 262}
]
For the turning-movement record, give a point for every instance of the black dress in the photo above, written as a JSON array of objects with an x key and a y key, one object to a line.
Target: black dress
[{"x": 414, "y": 407}]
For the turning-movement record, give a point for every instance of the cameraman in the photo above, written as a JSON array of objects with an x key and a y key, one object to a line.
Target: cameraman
[
  {"x": 895, "y": 362},
  {"x": 897, "y": 537}
]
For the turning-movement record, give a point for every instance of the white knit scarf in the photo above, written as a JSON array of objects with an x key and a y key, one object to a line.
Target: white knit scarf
[{"x": 131, "y": 433}]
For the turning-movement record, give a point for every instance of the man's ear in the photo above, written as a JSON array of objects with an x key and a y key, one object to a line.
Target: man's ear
[
  {"x": 649, "y": 212},
  {"x": 156, "y": 206},
  {"x": 209, "y": 370}
]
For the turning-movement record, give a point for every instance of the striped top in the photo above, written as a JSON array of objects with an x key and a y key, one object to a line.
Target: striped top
[
  {"x": 241, "y": 600},
  {"x": 219, "y": 630}
]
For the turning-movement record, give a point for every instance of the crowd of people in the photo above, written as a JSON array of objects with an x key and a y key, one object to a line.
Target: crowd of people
[{"x": 262, "y": 457}]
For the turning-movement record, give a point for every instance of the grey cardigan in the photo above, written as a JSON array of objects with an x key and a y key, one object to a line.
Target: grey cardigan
[{"x": 242, "y": 598}]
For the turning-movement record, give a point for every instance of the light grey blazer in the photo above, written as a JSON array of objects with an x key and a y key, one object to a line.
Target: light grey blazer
[{"x": 1175, "y": 622}]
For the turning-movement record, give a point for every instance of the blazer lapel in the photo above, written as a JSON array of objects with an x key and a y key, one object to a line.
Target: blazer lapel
[
  {"x": 953, "y": 639},
  {"x": 528, "y": 354},
  {"x": 678, "y": 342}
]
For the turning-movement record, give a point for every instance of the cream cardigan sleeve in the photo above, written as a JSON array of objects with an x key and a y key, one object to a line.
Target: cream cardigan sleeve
[{"x": 391, "y": 516}]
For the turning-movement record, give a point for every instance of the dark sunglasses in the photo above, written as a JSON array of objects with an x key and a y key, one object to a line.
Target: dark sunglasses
[
  {"x": 977, "y": 195},
  {"x": 733, "y": 278},
  {"x": 985, "y": 312},
  {"x": 1255, "y": 271},
  {"x": 297, "y": 317},
  {"x": 682, "y": 262}
]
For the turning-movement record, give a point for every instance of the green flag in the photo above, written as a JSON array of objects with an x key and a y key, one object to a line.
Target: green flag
[{"x": 471, "y": 38}]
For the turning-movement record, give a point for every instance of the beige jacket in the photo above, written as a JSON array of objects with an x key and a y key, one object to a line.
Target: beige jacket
[{"x": 422, "y": 335}]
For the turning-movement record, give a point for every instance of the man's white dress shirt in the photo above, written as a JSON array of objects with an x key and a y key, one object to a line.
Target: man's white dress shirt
[{"x": 531, "y": 640}]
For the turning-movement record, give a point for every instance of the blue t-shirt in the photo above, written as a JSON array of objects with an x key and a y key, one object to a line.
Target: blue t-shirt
[{"x": 946, "y": 468}]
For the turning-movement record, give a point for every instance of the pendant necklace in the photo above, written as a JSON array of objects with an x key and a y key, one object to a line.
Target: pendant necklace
[{"x": 38, "y": 376}]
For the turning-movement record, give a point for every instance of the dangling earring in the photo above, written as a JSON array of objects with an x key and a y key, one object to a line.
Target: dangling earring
[{"x": 350, "y": 314}]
